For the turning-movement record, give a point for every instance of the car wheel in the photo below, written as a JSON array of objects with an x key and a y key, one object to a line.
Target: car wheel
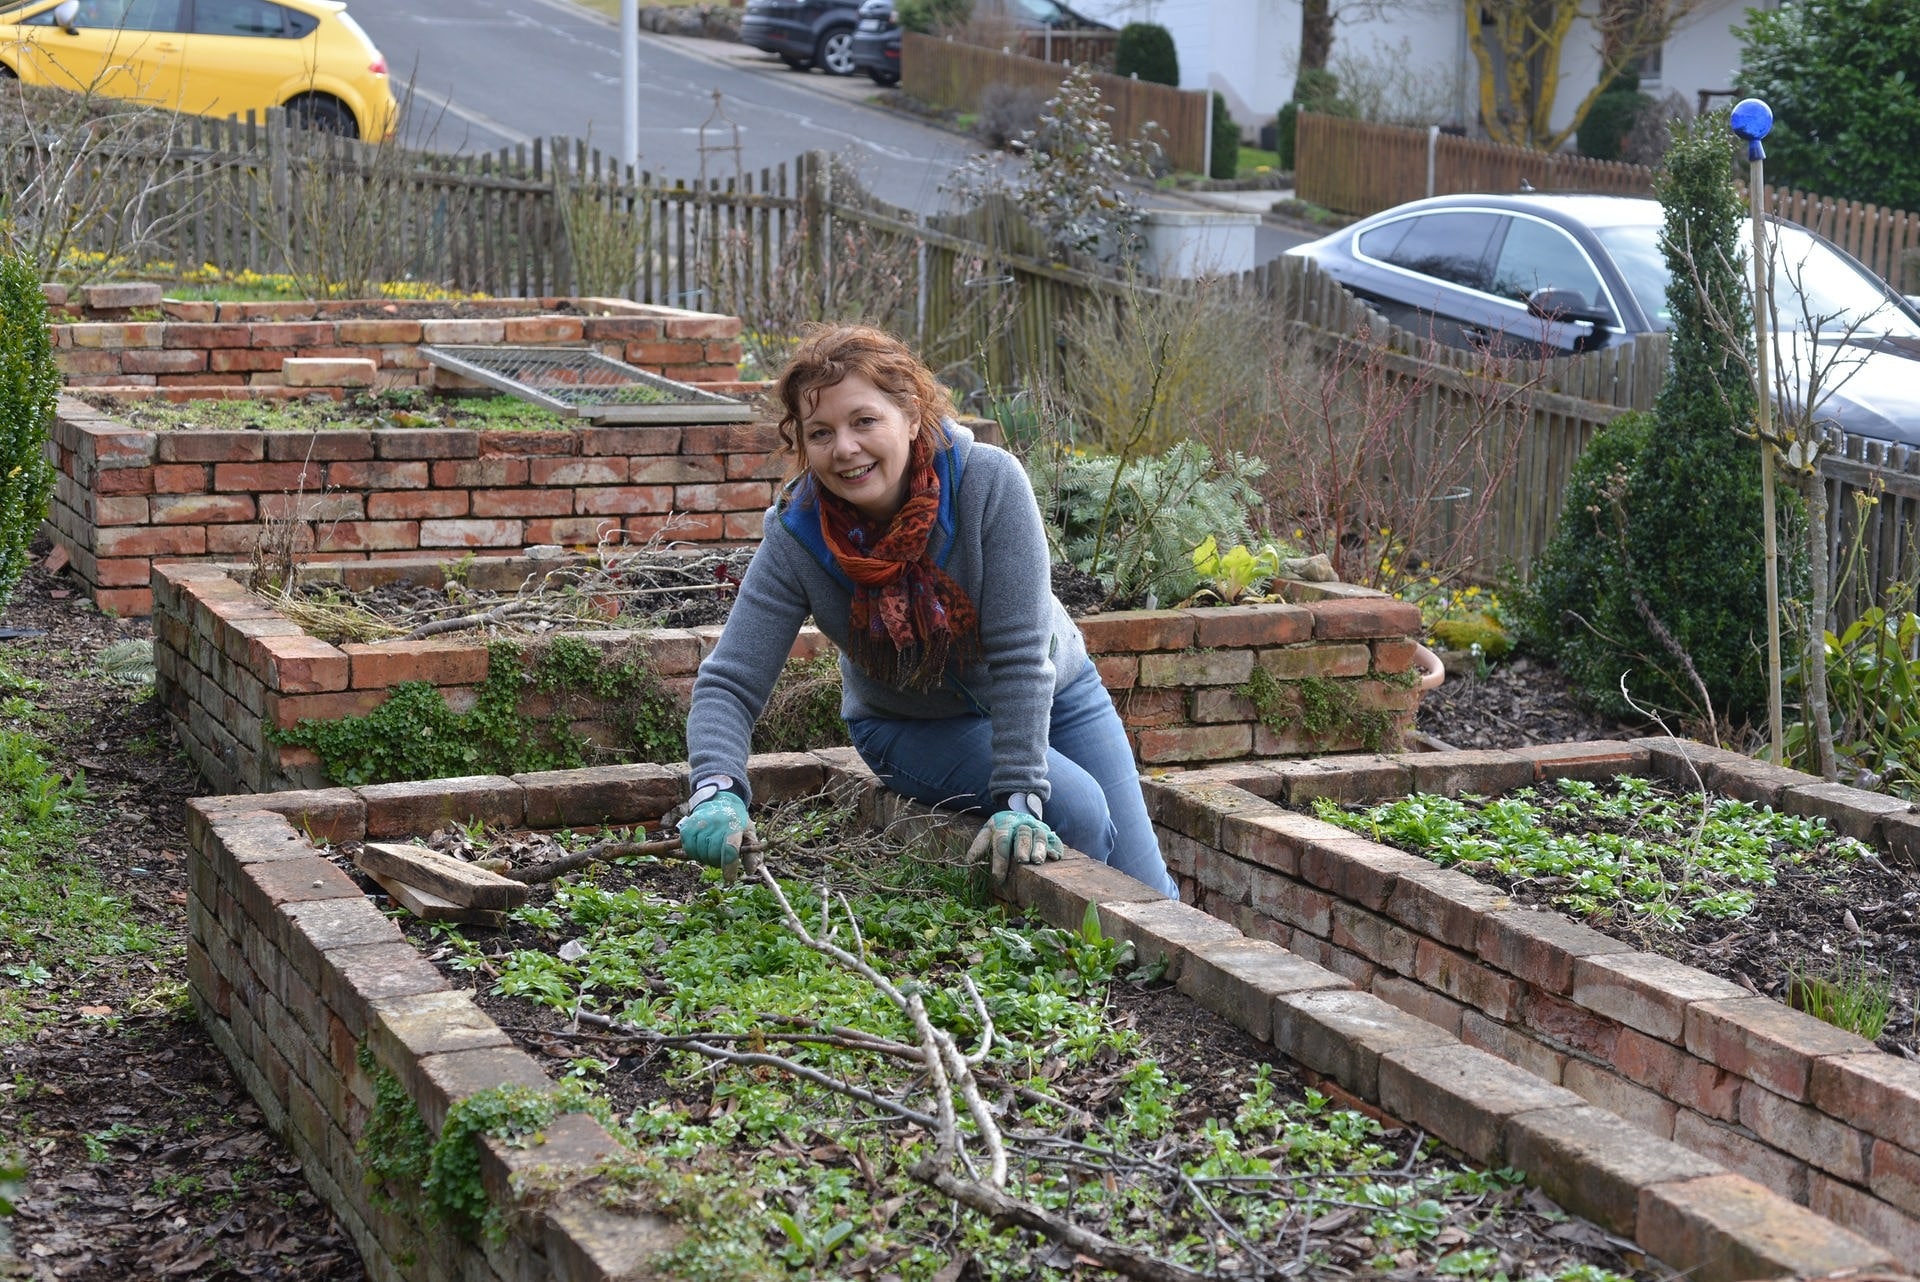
[
  {"x": 323, "y": 115},
  {"x": 795, "y": 63},
  {"x": 7, "y": 73},
  {"x": 834, "y": 53},
  {"x": 885, "y": 79}
]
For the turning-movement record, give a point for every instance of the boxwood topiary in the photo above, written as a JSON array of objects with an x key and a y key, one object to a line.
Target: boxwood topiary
[
  {"x": 1316, "y": 90},
  {"x": 1661, "y": 529},
  {"x": 1603, "y": 132},
  {"x": 1145, "y": 49},
  {"x": 29, "y": 383},
  {"x": 1224, "y": 160}
]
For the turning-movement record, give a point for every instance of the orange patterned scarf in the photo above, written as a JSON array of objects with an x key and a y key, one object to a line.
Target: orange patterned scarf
[{"x": 908, "y": 616}]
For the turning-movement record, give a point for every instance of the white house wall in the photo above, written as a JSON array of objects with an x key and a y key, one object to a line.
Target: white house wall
[{"x": 1249, "y": 50}]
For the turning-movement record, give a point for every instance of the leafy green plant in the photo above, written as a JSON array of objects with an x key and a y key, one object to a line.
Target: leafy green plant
[
  {"x": 1236, "y": 572},
  {"x": 1145, "y": 51},
  {"x": 1839, "y": 75},
  {"x": 930, "y": 17},
  {"x": 1623, "y": 849},
  {"x": 1134, "y": 523},
  {"x": 774, "y": 1176},
  {"x": 1655, "y": 572},
  {"x": 1327, "y": 710},
  {"x": 1317, "y": 90},
  {"x": 29, "y": 383},
  {"x": 1605, "y": 127},
  {"x": 1873, "y": 698}
]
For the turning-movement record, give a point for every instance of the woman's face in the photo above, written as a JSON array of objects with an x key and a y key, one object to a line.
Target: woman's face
[{"x": 857, "y": 443}]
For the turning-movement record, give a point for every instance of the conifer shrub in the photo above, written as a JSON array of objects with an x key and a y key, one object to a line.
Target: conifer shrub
[
  {"x": 29, "y": 382},
  {"x": 1145, "y": 49},
  {"x": 1316, "y": 90},
  {"x": 1660, "y": 532},
  {"x": 1224, "y": 159},
  {"x": 1602, "y": 134}
]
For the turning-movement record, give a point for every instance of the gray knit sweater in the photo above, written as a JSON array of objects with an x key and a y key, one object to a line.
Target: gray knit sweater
[{"x": 1029, "y": 647}]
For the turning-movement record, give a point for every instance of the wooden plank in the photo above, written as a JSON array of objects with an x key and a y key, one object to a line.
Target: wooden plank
[
  {"x": 451, "y": 879},
  {"x": 428, "y": 906}
]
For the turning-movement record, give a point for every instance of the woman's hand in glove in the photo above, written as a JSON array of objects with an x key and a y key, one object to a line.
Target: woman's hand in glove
[
  {"x": 713, "y": 831},
  {"x": 1010, "y": 838}
]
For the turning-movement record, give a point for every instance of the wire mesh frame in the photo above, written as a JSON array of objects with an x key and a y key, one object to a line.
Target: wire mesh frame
[{"x": 578, "y": 382}]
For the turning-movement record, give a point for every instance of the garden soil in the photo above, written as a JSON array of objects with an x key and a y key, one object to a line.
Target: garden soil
[{"x": 145, "y": 1158}]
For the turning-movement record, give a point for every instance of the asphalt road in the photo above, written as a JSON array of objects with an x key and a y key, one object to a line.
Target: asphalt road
[
  {"x": 479, "y": 75},
  {"x": 491, "y": 73}
]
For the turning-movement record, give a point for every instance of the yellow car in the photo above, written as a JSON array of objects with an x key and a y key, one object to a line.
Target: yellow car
[{"x": 207, "y": 57}]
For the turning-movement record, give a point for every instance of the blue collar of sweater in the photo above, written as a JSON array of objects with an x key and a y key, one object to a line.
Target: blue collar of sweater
[{"x": 799, "y": 507}]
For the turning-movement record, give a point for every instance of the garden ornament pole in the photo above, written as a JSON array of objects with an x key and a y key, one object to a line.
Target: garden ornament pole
[
  {"x": 1752, "y": 120},
  {"x": 629, "y": 89}
]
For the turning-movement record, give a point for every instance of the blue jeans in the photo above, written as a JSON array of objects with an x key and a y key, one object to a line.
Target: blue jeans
[{"x": 1096, "y": 806}]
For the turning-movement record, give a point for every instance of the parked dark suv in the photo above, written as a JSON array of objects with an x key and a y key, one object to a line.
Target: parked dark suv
[{"x": 805, "y": 33}]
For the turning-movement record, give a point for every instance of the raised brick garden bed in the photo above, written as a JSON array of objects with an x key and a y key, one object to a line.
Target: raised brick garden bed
[
  {"x": 125, "y": 499},
  {"x": 294, "y": 971},
  {"x": 1816, "y": 1114},
  {"x": 230, "y": 666}
]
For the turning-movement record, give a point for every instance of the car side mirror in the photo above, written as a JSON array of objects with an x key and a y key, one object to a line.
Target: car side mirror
[
  {"x": 67, "y": 14},
  {"x": 1565, "y": 306}
]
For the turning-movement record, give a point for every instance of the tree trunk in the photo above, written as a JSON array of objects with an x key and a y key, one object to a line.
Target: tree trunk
[{"x": 1316, "y": 34}]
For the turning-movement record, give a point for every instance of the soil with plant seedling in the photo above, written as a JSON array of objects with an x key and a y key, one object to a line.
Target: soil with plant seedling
[
  {"x": 396, "y": 408},
  {"x": 1101, "y": 1077},
  {"x": 1776, "y": 903},
  {"x": 141, "y": 1153}
]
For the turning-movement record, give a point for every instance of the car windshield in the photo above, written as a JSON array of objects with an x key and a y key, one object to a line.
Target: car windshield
[{"x": 1814, "y": 287}]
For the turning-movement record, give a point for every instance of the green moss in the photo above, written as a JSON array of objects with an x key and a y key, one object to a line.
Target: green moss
[
  {"x": 396, "y": 1145},
  {"x": 415, "y": 735},
  {"x": 1329, "y": 711}
]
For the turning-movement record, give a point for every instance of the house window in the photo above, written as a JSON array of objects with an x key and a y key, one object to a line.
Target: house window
[{"x": 1648, "y": 65}]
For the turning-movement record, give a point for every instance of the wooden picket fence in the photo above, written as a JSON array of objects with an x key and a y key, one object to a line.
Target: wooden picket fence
[
  {"x": 954, "y": 75},
  {"x": 1355, "y": 167},
  {"x": 980, "y": 288}
]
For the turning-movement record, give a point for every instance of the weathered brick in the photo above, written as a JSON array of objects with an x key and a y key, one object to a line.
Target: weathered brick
[
  {"x": 1594, "y": 1164},
  {"x": 300, "y": 665},
  {"x": 1164, "y": 931},
  {"x": 1274, "y": 839},
  {"x": 1316, "y": 660},
  {"x": 1463, "y": 1095},
  {"x": 462, "y": 331},
  {"x": 414, "y": 505},
  {"x": 168, "y": 361},
  {"x": 1807, "y": 1133},
  {"x": 1137, "y": 631},
  {"x": 622, "y": 500},
  {"x": 1251, "y": 625},
  {"x": 1360, "y": 871},
  {"x": 471, "y": 533},
  {"x": 1418, "y": 1000},
  {"x": 1645, "y": 991},
  {"x": 186, "y": 334},
  {"x": 1061, "y": 892},
  {"x": 1687, "y": 1080},
  {"x": 1762, "y": 1040},
  {"x": 1192, "y": 743},
  {"x": 1726, "y": 1228},
  {"x": 1741, "y": 1153},
  {"x": 1893, "y": 1173},
  {"x": 1512, "y": 1045},
  {"x": 1443, "y": 904},
  {"x": 1344, "y": 1035},
  {"x": 112, "y": 296},
  {"x": 1285, "y": 900},
  {"x": 1465, "y": 980},
  {"x": 1373, "y": 937},
  {"x": 404, "y": 1028},
  {"x": 1568, "y": 1026},
  {"x": 1855, "y": 1209},
  {"x": 315, "y": 371},
  {"x": 544, "y": 329},
  {"x": 1851, "y": 812},
  {"x": 1758, "y": 782},
  {"x": 1684, "y": 762},
  {"x": 211, "y": 447},
  {"x": 1378, "y": 616},
  {"x": 1350, "y": 779},
  {"x": 416, "y": 809},
  {"x": 434, "y": 444},
  {"x": 1479, "y": 771},
  {"x": 1596, "y": 760},
  {"x": 1540, "y": 947},
  {"x": 1196, "y": 668}
]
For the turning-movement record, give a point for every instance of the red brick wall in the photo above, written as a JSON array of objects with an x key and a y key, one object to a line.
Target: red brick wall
[
  {"x": 1814, "y": 1113},
  {"x": 229, "y": 666}
]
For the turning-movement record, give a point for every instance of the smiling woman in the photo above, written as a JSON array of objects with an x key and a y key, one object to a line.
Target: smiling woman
[{"x": 207, "y": 57}]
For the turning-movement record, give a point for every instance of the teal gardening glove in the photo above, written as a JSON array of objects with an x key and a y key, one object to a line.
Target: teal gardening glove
[
  {"x": 714, "y": 829},
  {"x": 1016, "y": 835}
]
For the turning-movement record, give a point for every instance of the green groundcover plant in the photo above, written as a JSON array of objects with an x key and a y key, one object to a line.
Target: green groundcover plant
[
  {"x": 775, "y": 1176},
  {"x": 1623, "y": 849}
]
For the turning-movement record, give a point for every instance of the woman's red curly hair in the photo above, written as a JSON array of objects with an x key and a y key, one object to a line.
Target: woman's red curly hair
[{"x": 828, "y": 354}]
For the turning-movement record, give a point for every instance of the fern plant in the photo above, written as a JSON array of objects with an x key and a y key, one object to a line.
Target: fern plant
[{"x": 1134, "y": 523}]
